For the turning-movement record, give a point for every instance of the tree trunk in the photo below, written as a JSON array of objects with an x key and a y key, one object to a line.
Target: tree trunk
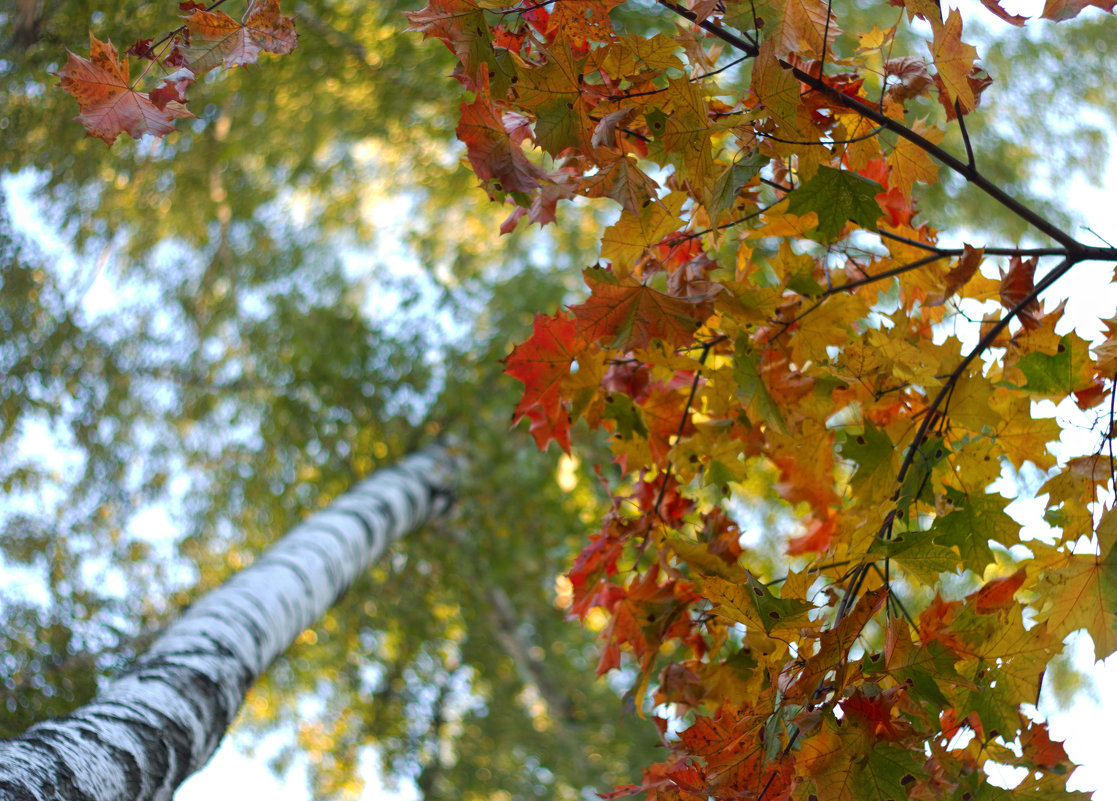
[{"x": 160, "y": 721}]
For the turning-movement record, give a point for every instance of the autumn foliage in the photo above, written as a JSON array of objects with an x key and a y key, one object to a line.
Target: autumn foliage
[
  {"x": 111, "y": 103},
  {"x": 773, "y": 320}
]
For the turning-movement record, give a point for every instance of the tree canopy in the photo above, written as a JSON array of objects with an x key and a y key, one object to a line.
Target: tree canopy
[{"x": 797, "y": 212}]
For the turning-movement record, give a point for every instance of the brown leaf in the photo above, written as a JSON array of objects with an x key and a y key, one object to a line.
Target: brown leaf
[
  {"x": 216, "y": 39},
  {"x": 109, "y": 105}
]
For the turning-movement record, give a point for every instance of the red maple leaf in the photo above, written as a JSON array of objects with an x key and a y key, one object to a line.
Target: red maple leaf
[
  {"x": 878, "y": 714},
  {"x": 1038, "y": 746},
  {"x": 817, "y": 538},
  {"x": 630, "y": 315},
  {"x": 1016, "y": 285},
  {"x": 541, "y": 363},
  {"x": 493, "y": 150},
  {"x": 666, "y": 415}
]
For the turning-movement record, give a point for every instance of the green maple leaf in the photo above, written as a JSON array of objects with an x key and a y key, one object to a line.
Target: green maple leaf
[
  {"x": 1059, "y": 374},
  {"x": 887, "y": 773},
  {"x": 730, "y": 181},
  {"x": 872, "y": 451},
  {"x": 837, "y": 196},
  {"x": 976, "y": 520},
  {"x": 751, "y": 389}
]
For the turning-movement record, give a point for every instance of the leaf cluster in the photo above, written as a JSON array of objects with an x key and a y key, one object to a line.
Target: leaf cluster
[{"x": 775, "y": 319}]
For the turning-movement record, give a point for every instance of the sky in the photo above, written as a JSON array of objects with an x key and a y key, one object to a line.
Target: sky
[{"x": 1085, "y": 726}]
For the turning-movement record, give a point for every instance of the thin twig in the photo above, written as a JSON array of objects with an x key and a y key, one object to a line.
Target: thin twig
[
  {"x": 747, "y": 47},
  {"x": 706, "y": 348},
  {"x": 965, "y": 136}
]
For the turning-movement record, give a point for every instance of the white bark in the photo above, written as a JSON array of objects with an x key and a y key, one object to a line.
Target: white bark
[{"x": 160, "y": 721}]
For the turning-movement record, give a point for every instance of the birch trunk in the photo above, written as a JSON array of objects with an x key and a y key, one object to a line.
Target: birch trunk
[{"x": 150, "y": 728}]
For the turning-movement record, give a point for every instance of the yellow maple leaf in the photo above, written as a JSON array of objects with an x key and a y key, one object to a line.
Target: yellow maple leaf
[
  {"x": 954, "y": 59},
  {"x": 626, "y": 240},
  {"x": 969, "y": 403},
  {"x": 910, "y": 162},
  {"x": 1079, "y": 591},
  {"x": 1022, "y": 437},
  {"x": 807, "y": 28}
]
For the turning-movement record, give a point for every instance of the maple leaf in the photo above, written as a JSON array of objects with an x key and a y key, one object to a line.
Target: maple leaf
[
  {"x": 541, "y": 363},
  {"x": 582, "y": 19},
  {"x": 834, "y": 644},
  {"x": 754, "y": 604},
  {"x": 216, "y": 39},
  {"x": 1016, "y": 285},
  {"x": 493, "y": 150},
  {"x": 461, "y": 26},
  {"x": 954, "y": 60},
  {"x": 622, "y": 180},
  {"x": 1040, "y": 749},
  {"x": 553, "y": 92},
  {"x": 960, "y": 274},
  {"x": 806, "y": 27},
  {"x": 910, "y": 162},
  {"x": 630, "y": 314},
  {"x": 999, "y": 10},
  {"x": 878, "y": 714},
  {"x": 998, "y": 593},
  {"x": 912, "y": 78},
  {"x": 837, "y": 196},
  {"x": 664, "y": 413},
  {"x": 687, "y": 131},
  {"x": 109, "y": 105},
  {"x": 776, "y": 87},
  {"x": 1080, "y": 591},
  {"x": 626, "y": 241}
]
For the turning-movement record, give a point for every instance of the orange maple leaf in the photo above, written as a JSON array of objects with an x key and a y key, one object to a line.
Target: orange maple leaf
[
  {"x": 216, "y": 39},
  {"x": 109, "y": 105},
  {"x": 954, "y": 60},
  {"x": 998, "y": 593}
]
